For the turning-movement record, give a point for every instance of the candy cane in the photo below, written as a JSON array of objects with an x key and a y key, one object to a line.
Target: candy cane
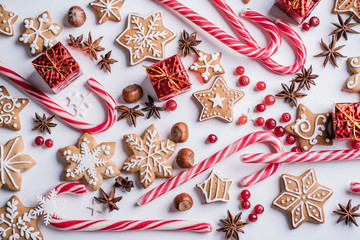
[
  {"x": 214, "y": 159},
  {"x": 60, "y": 111},
  {"x": 121, "y": 225},
  {"x": 355, "y": 187}
]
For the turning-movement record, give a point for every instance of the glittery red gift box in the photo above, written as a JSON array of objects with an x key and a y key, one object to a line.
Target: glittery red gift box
[
  {"x": 346, "y": 121},
  {"x": 57, "y": 67},
  {"x": 298, "y": 10},
  {"x": 168, "y": 77}
]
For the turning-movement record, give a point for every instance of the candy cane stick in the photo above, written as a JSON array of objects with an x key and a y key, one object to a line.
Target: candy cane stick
[
  {"x": 122, "y": 225},
  {"x": 60, "y": 111},
  {"x": 214, "y": 159},
  {"x": 355, "y": 187}
]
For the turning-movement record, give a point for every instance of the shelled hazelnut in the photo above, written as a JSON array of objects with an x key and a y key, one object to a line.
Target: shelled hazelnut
[
  {"x": 180, "y": 132},
  {"x": 76, "y": 16},
  {"x": 185, "y": 158},
  {"x": 183, "y": 202},
  {"x": 132, "y": 93}
]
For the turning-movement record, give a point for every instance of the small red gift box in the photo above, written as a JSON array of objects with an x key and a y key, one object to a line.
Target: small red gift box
[
  {"x": 57, "y": 67},
  {"x": 168, "y": 77},
  {"x": 346, "y": 121},
  {"x": 298, "y": 10}
]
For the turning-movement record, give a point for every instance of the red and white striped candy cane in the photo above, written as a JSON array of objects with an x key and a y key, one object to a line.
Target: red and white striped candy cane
[
  {"x": 355, "y": 187},
  {"x": 121, "y": 225},
  {"x": 192, "y": 172},
  {"x": 60, "y": 111}
]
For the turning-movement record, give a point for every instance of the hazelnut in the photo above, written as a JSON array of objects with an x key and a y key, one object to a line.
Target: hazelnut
[
  {"x": 132, "y": 93},
  {"x": 180, "y": 132},
  {"x": 76, "y": 16},
  {"x": 185, "y": 158},
  {"x": 183, "y": 202}
]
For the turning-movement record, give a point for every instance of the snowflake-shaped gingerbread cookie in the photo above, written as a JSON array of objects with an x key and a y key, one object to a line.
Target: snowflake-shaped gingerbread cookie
[
  {"x": 7, "y": 20},
  {"x": 208, "y": 65},
  {"x": 40, "y": 34},
  {"x": 149, "y": 156},
  {"x": 89, "y": 162},
  {"x": 145, "y": 37},
  {"x": 107, "y": 9}
]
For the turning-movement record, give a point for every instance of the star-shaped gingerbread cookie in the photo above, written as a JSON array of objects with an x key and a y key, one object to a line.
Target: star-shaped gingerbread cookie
[
  {"x": 7, "y": 20},
  {"x": 10, "y": 109},
  {"x": 89, "y": 161},
  {"x": 107, "y": 9},
  {"x": 149, "y": 156},
  {"x": 218, "y": 101},
  {"x": 207, "y": 65},
  {"x": 310, "y": 128},
  {"x": 302, "y": 198},
  {"x": 215, "y": 188},
  {"x": 348, "y": 6},
  {"x": 145, "y": 37},
  {"x": 19, "y": 222}
]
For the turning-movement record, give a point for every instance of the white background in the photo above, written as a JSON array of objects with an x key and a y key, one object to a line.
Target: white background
[{"x": 273, "y": 224}]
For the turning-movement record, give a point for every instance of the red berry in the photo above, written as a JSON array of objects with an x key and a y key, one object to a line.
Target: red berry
[
  {"x": 285, "y": 117},
  {"x": 39, "y": 140},
  {"x": 290, "y": 139},
  {"x": 279, "y": 131},
  {"x": 305, "y": 26},
  {"x": 240, "y": 70},
  {"x": 260, "y": 86},
  {"x": 314, "y": 21},
  {"x": 253, "y": 217},
  {"x": 212, "y": 138},
  {"x": 260, "y": 107},
  {"x": 245, "y": 204},
  {"x": 260, "y": 121},
  {"x": 258, "y": 209},
  {"x": 355, "y": 144},
  {"x": 269, "y": 100},
  {"x": 244, "y": 80},
  {"x": 242, "y": 120},
  {"x": 171, "y": 105},
  {"x": 245, "y": 194},
  {"x": 270, "y": 123},
  {"x": 295, "y": 149},
  {"x": 49, "y": 143}
]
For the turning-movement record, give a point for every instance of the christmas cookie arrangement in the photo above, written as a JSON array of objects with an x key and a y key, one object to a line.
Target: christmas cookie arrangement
[{"x": 129, "y": 145}]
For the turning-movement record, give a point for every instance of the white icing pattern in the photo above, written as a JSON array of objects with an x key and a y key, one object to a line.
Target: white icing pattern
[
  {"x": 350, "y": 6},
  {"x": 353, "y": 83},
  {"x": 8, "y": 106},
  {"x": 49, "y": 206},
  {"x": 303, "y": 126},
  {"x": 108, "y": 9},
  {"x": 207, "y": 65},
  {"x": 7, "y": 29},
  {"x": 80, "y": 103}
]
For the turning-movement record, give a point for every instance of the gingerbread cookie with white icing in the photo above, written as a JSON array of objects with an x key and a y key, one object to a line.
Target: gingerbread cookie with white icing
[
  {"x": 352, "y": 84},
  {"x": 348, "y": 6},
  {"x": 207, "y": 65},
  {"x": 310, "y": 128},
  {"x": 7, "y": 19},
  {"x": 107, "y": 9}
]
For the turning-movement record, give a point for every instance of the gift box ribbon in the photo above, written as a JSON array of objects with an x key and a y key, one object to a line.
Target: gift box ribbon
[{"x": 354, "y": 123}]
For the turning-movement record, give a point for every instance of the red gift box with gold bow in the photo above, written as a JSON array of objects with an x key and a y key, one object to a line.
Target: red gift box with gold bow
[
  {"x": 298, "y": 10},
  {"x": 346, "y": 121}
]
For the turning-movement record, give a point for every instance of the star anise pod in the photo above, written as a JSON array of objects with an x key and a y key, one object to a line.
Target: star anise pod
[
  {"x": 232, "y": 226},
  {"x": 305, "y": 78},
  {"x": 330, "y": 52},
  {"x": 289, "y": 94},
  {"x": 348, "y": 213},
  {"x": 188, "y": 43},
  {"x": 344, "y": 27},
  {"x": 76, "y": 43},
  {"x": 44, "y": 124},
  {"x": 132, "y": 113},
  {"x": 91, "y": 47},
  {"x": 152, "y": 109},
  {"x": 106, "y": 61},
  {"x": 124, "y": 183},
  {"x": 109, "y": 200}
]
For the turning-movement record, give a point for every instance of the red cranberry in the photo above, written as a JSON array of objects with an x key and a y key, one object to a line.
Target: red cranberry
[
  {"x": 212, "y": 138},
  {"x": 270, "y": 123},
  {"x": 258, "y": 209},
  {"x": 260, "y": 121},
  {"x": 295, "y": 149},
  {"x": 242, "y": 120},
  {"x": 49, "y": 143},
  {"x": 285, "y": 117},
  {"x": 279, "y": 131},
  {"x": 244, "y": 80},
  {"x": 260, "y": 107},
  {"x": 240, "y": 70},
  {"x": 39, "y": 140},
  {"x": 314, "y": 21},
  {"x": 260, "y": 86},
  {"x": 245, "y": 204},
  {"x": 171, "y": 105},
  {"x": 305, "y": 26},
  {"x": 253, "y": 217},
  {"x": 245, "y": 194},
  {"x": 290, "y": 139},
  {"x": 269, "y": 100},
  {"x": 355, "y": 144}
]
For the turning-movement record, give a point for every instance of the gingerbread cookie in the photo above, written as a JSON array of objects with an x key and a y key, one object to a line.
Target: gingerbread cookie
[
  {"x": 12, "y": 163},
  {"x": 18, "y": 222},
  {"x": 149, "y": 156},
  {"x": 208, "y": 65},
  {"x": 7, "y": 20},
  {"x": 40, "y": 34},
  {"x": 218, "y": 101},
  {"x": 310, "y": 128},
  {"x": 107, "y": 9},
  {"x": 89, "y": 162},
  {"x": 145, "y": 37},
  {"x": 302, "y": 198},
  {"x": 348, "y": 6},
  {"x": 352, "y": 84},
  {"x": 10, "y": 109},
  {"x": 215, "y": 188}
]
